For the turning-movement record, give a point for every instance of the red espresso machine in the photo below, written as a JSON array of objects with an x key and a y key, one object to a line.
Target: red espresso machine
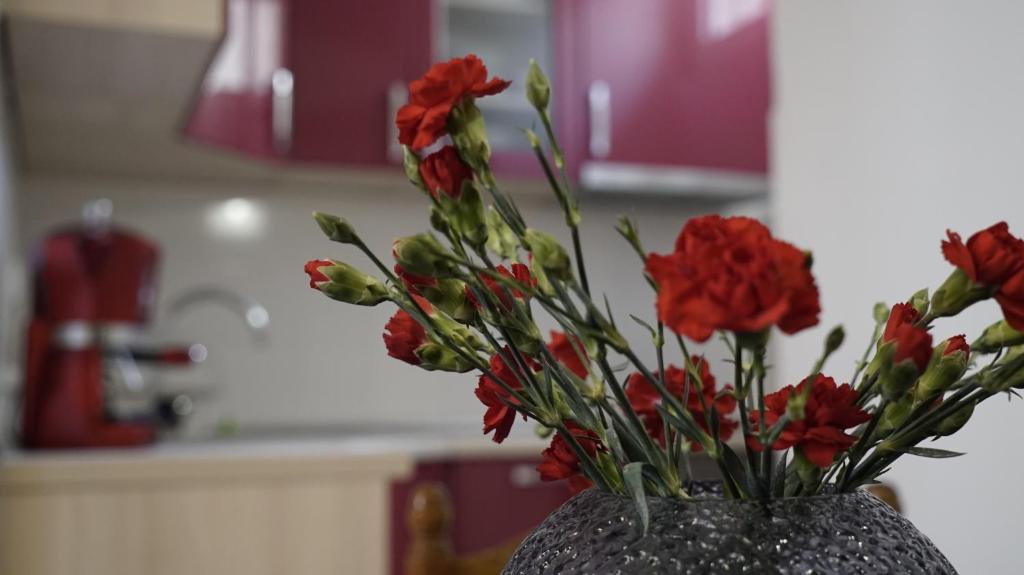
[{"x": 94, "y": 290}]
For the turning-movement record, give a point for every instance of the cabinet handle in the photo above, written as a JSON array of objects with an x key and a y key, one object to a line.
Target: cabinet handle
[
  {"x": 599, "y": 99},
  {"x": 282, "y": 86},
  {"x": 398, "y": 95}
]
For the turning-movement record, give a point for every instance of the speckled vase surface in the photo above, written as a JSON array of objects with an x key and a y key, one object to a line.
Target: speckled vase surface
[{"x": 597, "y": 533}]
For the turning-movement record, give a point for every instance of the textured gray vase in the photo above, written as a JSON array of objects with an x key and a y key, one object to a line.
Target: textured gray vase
[{"x": 597, "y": 533}]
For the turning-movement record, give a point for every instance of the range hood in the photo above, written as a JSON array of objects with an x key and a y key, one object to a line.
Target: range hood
[{"x": 105, "y": 87}]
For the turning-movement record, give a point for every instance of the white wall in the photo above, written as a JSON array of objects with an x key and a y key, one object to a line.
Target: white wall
[
  {"x": 325, "y": 362},
  {"x": 894, "y": 121}
]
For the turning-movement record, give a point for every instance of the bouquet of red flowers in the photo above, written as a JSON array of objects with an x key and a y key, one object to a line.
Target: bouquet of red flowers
[{"x": 468, "y": 293}]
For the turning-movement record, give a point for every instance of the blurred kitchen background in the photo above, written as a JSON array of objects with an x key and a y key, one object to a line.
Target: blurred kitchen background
[{"x": 288, "y": 441}]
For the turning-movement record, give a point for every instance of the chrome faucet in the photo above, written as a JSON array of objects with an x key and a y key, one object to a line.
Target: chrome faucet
[{"x": 253, "y": 314}]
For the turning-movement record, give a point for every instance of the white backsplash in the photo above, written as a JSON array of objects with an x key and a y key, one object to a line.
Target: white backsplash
[{"x": 324, "y": 362}]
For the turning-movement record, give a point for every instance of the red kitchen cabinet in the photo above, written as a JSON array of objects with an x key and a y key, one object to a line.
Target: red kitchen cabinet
[
  {"x": 312, "y": 80},
  {"x": 665, "y": 83},
  {"x": 346, "y": 56}
]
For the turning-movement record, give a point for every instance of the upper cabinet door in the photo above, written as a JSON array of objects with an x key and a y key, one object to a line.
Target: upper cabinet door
[
  {"x": 666, "y": 83},
  {"x": 351, "y": 61},
  {"x": 313, "y": 80}
]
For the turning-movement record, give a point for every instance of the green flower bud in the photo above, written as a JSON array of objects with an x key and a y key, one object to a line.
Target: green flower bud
[
  {"x": 538, "y": 88},
  {"x": 996, "y": 337},
  {"x": 449, "y": 295},
  {"x": 627, "y": 229},
  {"x": 956, "y": 420},
  {"x": 880, "y": 312},
  {"x": 796, "y": 406},
  {"x": 956, "y": 294},
  {"x": 411, "y": 163},
  {"x": 469, "y": 134},
  {"x": 897, "y": 379},
  {"x": 500, "y": 238},
  {"x": 834, "y": 340},
  {"x": 919, "y": 301},
  {"x": 423, "y": 255},
  {"x": 343, "y": 282},
  {"x": 894, "y": 416},
  {"x": 438, "y": 357},
  {"x": 336, "y": 229},
  {"x": 548, "y": 253},
  {"x": 467, "y": 213},
  {"x": 943, "y": 371}
]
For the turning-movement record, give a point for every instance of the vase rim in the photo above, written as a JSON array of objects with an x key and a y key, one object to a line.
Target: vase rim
[{"x": 720, "y": 499}]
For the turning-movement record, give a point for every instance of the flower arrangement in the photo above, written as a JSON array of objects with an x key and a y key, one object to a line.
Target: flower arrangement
[{"x": 468, "y": 295}]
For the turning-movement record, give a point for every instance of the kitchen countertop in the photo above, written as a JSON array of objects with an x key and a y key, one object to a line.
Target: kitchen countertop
[{"x": 391, "y": 453}]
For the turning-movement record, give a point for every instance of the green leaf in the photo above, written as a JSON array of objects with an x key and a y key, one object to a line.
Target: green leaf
[
  {"x": 931, "y": 452},
  {"x": 633, "y": 474}
]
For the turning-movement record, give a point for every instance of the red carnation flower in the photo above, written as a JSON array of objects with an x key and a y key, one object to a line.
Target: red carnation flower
[
  {"x": 830, "y": 410},
  {"x": 431, "y": 98},
  {"x": 444, "y": 170},
  {"x": 1010, "y": 298},
  {"x": 901, "y": 314},
  {"x": 911, "y": 342},
  {"x": 519, "y": 273},
  {"x": 501, "y": 414},
  {"x": 403, "y": 335},
  {"x": 990, "y": 256},
  {"x": 731, "y": 274},
  {"x": 644, "y": 399},
  {"x": 316, "y": 276},
  {"x": 958, "y": 343},
  {"x": 559, "y": 461},
  {"x": 568, "y": 352}
]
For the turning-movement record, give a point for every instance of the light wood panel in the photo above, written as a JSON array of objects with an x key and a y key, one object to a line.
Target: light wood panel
[{"x": 249, "y": 516}]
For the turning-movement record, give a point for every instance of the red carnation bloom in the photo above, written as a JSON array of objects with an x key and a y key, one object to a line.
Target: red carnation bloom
[
  {"x": 911, "y": 342},
  {"x": 520, "y": 273},
  {"x": 901, "y": 314},
  {"x": 830, "y": 410},
  {"x": 431, "y": 98},
  {"x": 403, "y": 335},
  {"x": 990, "y": 257},
  {"x": 559, "y": 461},
  {"x": 731, "y": 274},
  {"x": 1011, "y": 299},
  {"x": 500, "y": 414},
  {"x": 444, "y": 170},
  {"x": 644, "y": 399},
  {"x": 568, "y": 352},
  {"x": 958, "y": 343},
  {"x": 316, "y": 276}
]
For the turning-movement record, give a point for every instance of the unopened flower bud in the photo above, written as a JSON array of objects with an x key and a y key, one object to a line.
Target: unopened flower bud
[
  {"x": 500, "y": 238},
  {"x": 880, "y": 312},
  {"x": 411, "y": 163},
  {"x": 919, "y": 301},
  {"x": 548, "y": 253},
  {"x": 834, "y": 340},
  {"x": 996, "y": 337},
  {"x": 894, "y": 416},
  {"x": 345, "y": 283},
  {"x": 948, "y": 365},
  {"x": 956, "y": 420},
  {"x": 435, "y": 356},
  {"x": 897, "y": 379},
  {"x": 422, "y": 255},
  {"x": 538, "y": 88},
  {"x": 449, "y": 295},
  {"x": 469, "y": 134},
  {"x": 335, "y": 228},
  {"x": 468, "y": 215},
  {"x": 796, "y": 406}
]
